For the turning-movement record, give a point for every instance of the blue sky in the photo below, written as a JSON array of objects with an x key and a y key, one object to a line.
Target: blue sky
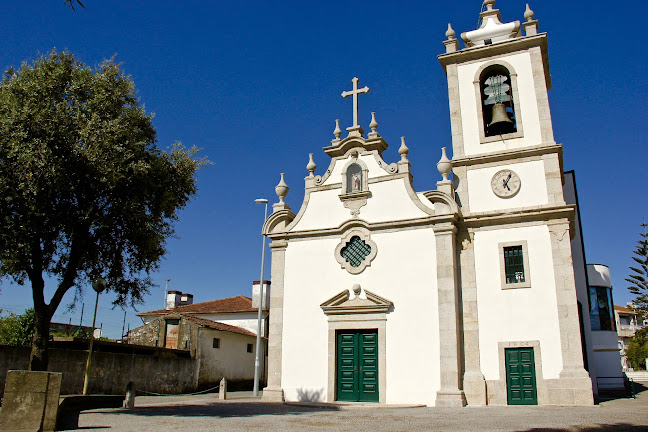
[{"x": 257, "y": 85}]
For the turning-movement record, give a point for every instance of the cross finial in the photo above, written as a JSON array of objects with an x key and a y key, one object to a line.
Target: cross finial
[{"x": 355, "y": 92}]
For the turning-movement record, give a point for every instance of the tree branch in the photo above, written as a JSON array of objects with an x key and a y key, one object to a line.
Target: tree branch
[
  {"x": 35, "y": 273},
  {"x": 79, "y": 239}
]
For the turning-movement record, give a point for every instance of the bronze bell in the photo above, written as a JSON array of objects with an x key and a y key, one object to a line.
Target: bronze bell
[{"x": 499, "y": 115}]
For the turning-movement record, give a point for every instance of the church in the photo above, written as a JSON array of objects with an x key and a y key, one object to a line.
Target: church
[{"x": 460, "y": 295}]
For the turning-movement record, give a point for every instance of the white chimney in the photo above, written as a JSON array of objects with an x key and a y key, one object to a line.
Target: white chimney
[
  {"x": 173, "y": 299},
  {"x": 266, "y": 294}
]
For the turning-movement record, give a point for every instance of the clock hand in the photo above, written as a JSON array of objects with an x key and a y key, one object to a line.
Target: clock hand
[
  {"x": 505, "y": 182},
  {"x": 507, "y": 179}
]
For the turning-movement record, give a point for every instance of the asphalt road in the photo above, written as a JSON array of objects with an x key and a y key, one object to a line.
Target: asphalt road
[{"x": 207, "y": 413}]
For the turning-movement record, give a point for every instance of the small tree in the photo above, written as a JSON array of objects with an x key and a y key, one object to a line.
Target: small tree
[
  {"x": 639, "y": 276},
  {"x": 17, "y": 330},
  {"x": 84, "y": 191},
  {"x": 637, "y": 350}
]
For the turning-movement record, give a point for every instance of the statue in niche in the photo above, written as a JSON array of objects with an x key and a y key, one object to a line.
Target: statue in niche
[
  {"x": 354, "y": 178},
  {"x": 356, "y": 183}
]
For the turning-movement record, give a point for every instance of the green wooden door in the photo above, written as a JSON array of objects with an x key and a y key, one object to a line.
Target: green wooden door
[
  {"x": 520, "y": 377},
  {"x": 357, "y": 365}
]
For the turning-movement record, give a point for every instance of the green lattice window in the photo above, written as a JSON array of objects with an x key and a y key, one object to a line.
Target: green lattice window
[
  {"x": 514, "y": 264},
  {"x": 355, "y": 251}
]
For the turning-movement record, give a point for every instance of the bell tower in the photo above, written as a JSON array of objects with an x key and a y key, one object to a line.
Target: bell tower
[
  {"x": 516, "y": 273},
  {"x": 498, "y": 100}
]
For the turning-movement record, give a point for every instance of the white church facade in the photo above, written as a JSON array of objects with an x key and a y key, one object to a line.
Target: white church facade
[{"x": 464, "y": 294}]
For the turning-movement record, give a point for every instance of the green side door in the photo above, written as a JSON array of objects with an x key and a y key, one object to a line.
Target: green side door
[
  {"x": 357, "y": 366},
  {"x": 520, "y": 377}
]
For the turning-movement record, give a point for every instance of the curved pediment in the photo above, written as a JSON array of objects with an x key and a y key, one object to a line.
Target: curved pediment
[
  {"x": 277, "y": 222},
  {"x": 443, "y": 203},
  {"x": 341, "y": 147}
]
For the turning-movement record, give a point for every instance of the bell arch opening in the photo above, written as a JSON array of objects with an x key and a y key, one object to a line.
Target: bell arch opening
[{"x": 497, "y": 101}]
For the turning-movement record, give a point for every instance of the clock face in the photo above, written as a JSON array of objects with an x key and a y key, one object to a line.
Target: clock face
[{"x": 505, "y": 183}]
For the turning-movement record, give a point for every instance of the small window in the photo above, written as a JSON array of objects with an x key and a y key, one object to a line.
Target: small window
[
  {"x": 354, "y": 178},
  {"x": 600, "y": 299},
  {"x": 355, "y": 251},
  {"x": 216, "y": 343},
  {"x": 249, "y": 348},
  {"x": 514, "y": 265}
]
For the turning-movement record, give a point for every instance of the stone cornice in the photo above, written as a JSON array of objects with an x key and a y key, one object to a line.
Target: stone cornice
[
  {"x": 499, "y": 156},
  {"x": 499, "y": 49},
  {"x": 508, "y": 217},
  {"x": 278, "y": 244},
  {"x": 373, "y": 227}
]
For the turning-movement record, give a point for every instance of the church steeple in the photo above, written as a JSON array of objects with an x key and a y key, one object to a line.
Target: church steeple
[{"x": 498, "y": 85}]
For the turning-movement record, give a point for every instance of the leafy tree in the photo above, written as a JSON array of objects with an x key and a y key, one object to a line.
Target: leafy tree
[
  {"x": 84, "y": 191},
  {"x": 639, "y": 276},
  {"x": 637, "y": 350},
  {"x": 17, "y": 330}
]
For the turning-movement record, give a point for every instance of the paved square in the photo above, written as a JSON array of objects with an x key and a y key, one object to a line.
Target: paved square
[{"x": 207, "y": 413}]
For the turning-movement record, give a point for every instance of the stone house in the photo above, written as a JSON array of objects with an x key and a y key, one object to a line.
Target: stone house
[{"x": 219, "y": 334}]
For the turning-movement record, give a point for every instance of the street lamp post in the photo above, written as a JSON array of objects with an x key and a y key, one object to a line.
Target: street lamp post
[
  {"x": 98, "y": 285},
  {"x": 257, "y": 360}
]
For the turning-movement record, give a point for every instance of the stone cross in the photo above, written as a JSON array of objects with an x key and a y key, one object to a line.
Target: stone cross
[{"x": 355, "y": 92}]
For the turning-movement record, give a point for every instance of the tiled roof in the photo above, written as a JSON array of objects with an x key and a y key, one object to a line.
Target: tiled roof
[
  {"x": 226, "y": 305},
  {"x": 218, "y": 325},
  {"x": 624, "y": 309}
]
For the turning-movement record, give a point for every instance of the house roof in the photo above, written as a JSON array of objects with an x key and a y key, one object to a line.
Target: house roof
[
  {"x": 218, "y": 325},
  {"x": 226, "y": 305},
  {"x": 624, "y": 309}
]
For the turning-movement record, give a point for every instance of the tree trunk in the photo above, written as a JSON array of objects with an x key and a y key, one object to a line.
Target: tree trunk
[{"x": 38, "y": 358}]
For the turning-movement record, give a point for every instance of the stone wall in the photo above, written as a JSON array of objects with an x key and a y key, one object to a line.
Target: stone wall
[
  {"x": 153, "y": 334},
  {"x": 158, "y": 370}
]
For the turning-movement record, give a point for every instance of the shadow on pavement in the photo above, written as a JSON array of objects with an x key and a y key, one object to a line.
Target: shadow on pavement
[
  {"x": 218, "y": 409},
  {"x": 617, "y": 427},
  {"x": 639, "y": 387}
]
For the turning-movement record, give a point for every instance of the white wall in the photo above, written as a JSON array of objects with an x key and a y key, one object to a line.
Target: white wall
[
  {"x": 231, "y": 360},
  {"x": 607, "y": 361},
  {"x": 528, "y": 105},
  {"x": 533, "y": 189},
  {"x": 412, "y": 348},
  {"x": 521, "y": 314},
  {"x": 599, "y": 275}
]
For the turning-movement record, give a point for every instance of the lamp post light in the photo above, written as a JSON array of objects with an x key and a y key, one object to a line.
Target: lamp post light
[
  {"x": 98, "y": 285},
  {"x": 257, "y": 360}
]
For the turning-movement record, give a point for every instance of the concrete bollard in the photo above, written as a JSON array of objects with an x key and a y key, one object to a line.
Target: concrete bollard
[
  {"x": 222, "y": 391},
  {"x": 31, "y": 401},
  {"x": 129, "y": 401}
]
